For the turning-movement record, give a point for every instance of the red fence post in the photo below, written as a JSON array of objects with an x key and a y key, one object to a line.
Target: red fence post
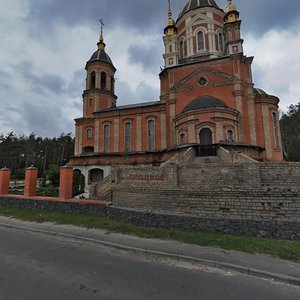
[
  {"x": 30, "y": 182},
  {"x": 66, "y": 183},
  {"x": 4, "y": 181}
]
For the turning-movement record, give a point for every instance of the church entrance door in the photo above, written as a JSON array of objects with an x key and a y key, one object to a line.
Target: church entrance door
[{"x": 205, "y": 136}]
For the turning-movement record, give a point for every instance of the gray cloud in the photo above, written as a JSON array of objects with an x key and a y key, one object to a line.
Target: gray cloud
[
  {"x": 77, "y": 84},
  {"x": 46, "y": 101},
  {"x": 129, "y": 13},
  {"x": 146, "y": 16},
  {"x": 143, "y": 93},
  {"x": 4, "y": 79},
  {"x": 45, "y": 122},
  {"x": 41, "y": 83},
  {"x": 146, "y": 56}
]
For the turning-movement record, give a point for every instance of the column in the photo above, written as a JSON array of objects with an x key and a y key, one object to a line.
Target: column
[
  {"x": 66, "y": 183},
  {"x": 4, "y": 181},
  {"x": 30, "y": 182}
]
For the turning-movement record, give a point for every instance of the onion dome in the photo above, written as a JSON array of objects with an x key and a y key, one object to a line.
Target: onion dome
[
  {"x": 170, "y": 27},
  {"x": 230, "y": 7},
  {"x": 232, "y": 15},
  {"x": 205, "y": 102},
  {"x": 100, "y": 55},
  {"x": 194, "y": 4}
]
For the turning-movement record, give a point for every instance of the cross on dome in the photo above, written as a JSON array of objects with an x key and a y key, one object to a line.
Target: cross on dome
[{"x": 102, "y": 25}]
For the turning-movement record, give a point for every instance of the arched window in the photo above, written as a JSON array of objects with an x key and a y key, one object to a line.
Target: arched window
[
  {"x": 89, "y": 133},
  {"x": 220, "y": 42},
  {"x": 151, "y": 135},
  {"x": 200, "y": 41},
  {"x": 127, "y": 136},
  {"x": 103, "y": 81},
  {"x": 275, "y": 128},
  {"x": 182, "y": 138},
  {"x": 181, "y": 49},
  {"x": 92, "y": 80},
  {"x": 95, "y": 175},
  {"x": 170, "y": 48},
  {"x": 90, "y": 102},
  {"x": 106, "y": 137},
  {"x": 229, "y": 136}
]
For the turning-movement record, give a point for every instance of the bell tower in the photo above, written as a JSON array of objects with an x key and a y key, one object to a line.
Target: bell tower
[
  {"x": 232, "y": 30},
  {"x": 100, "y": 81},
  {"x": 170, "y": 41}
]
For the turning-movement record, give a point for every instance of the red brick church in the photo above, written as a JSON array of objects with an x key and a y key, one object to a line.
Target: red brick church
[{"x": 207, "y": 99}]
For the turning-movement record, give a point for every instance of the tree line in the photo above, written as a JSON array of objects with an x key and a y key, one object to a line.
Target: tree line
[
  {"x": 290, "y": 131},
  {"x": 20, "y": 152}
]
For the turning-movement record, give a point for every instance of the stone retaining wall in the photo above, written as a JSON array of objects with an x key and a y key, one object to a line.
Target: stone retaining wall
[{"x": 278, "y": 229}]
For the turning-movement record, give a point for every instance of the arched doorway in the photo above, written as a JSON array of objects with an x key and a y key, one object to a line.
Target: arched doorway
[
  {"x": 205, "y": 136},
  {"x": 96, "y": 175},
  {"x": 78, "y": 182},
  {"x": 206, "y": 147}
]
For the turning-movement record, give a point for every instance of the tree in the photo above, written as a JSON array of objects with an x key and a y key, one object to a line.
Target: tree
[
  {"x": 23, "y": 151},
  {"x": 290, "y": 131},
  {"x": 53, "y": 174}
]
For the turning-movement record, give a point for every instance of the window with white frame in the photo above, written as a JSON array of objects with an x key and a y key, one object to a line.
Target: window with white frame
[
  {"x": 229, "y": 135},
  {"x": 151, "y": 135},
  {"x": 89, "y": 133},
  {"x": 127, "y": 136},
  {"x": 200, "y": 40},
  {"x": 106, "y": 137},
  {"x": 182, "y": 138}
]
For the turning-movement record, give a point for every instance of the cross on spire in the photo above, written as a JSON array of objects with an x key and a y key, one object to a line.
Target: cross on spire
[
  {"x": 102, "y": 24},
  {"x": 170, "y": 10}
]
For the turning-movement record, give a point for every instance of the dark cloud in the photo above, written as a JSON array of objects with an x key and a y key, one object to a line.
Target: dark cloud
[
  {"x": 148, "y": 16},
  {"x": 146, "y": 55},
  {"x": 41, "y": 83},
  {"x": 141, "y": 15},
  {"x": 143, "y": 93},
  {"x": 77, "y": 84},
  {"x": 46, "y": 106},
  {"x": 260, "y": 16}
]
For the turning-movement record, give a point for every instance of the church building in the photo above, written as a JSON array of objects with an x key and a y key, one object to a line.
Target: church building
[{"x": 207, "y": 99}]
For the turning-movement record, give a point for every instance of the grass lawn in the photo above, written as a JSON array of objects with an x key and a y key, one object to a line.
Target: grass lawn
[{"x": 289, "y": 250}]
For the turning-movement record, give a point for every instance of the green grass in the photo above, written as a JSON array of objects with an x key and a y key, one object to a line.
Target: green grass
[{"x": 289, "y": 250}]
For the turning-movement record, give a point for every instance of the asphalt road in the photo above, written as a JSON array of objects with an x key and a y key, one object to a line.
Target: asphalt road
[{"x": 36, "y": 266}]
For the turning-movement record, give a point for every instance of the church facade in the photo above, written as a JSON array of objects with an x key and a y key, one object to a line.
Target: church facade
[{"x": 207, "y": 98}]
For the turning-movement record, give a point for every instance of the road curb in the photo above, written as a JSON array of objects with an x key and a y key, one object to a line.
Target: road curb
[{"x": 210, "y": 263}]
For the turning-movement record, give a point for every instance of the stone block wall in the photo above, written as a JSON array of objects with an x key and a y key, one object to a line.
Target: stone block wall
[
  {"x": 258, "y": 193},
  {"x": 263, "y": 228}
]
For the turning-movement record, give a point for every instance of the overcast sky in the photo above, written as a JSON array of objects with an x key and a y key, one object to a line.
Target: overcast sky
[{"x": 44, "y": 45}]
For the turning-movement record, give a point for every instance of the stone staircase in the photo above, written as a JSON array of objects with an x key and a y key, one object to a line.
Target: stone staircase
[{"x": 206, "y": 160}]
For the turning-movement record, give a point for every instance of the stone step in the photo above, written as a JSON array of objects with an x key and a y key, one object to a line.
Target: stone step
[{"x": 206, "y": 159}]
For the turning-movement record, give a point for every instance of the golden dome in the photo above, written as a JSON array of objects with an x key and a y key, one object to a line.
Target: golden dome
[
  {"x": 232, "y": 15},
  {"x": 170, "y": 27},
  {"x": 230, "y": 6}
]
